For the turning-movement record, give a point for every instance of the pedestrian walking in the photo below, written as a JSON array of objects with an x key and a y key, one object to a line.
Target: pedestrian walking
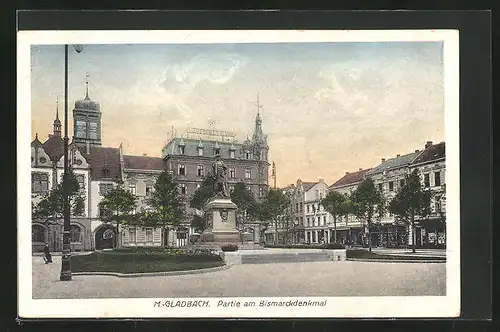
[{"x": 47, "y": 256}]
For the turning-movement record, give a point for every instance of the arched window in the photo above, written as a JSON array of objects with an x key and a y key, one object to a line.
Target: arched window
[
  {"x": 75, "y": 233},
  {"x": 37, "y": 233}
]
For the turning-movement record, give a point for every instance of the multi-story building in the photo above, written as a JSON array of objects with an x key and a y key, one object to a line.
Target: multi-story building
[
  {"x": 349, "y": 228},
  {"x": 190, "y": 160},
  {"x": 431, "y": 167},
  {"x": 47, "y": 169},
  {"x": 317, "y": 221},
  {"x": 388, "y": 177}
]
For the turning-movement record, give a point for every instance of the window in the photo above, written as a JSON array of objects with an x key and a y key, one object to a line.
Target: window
[
  {"x": 232, "y": 174},
  {"x": 199, "y": 171},
  {"x": 181, "y": 235},
  {"x": 132, "y": 236},
  {"x": 231, "y": 154},
  {"x": 300, "y": 207},
  {"x": 391, "y": 185},
  {"x": 427, "y": 182},
  {"x": 43, "y": 160},
  {"x": 380, "y": 187},
  {"x": 247, "y": 155},
  {"x": 319, "y": 220},
  {"x": 198, "y": 185},
  {"x": 81, "y": 181},
  {"x": 39, "y": 182},
  {"x": 437, "y": 179},
  {"x": 308, "y": 208},
  {"x": 216, "y": 151},
  {"x": 313, "y": 237},
  {"x": 75, "y": 233},
  {"x": 104, "y": 188},
  {"x": 182, "y": 169},
  {"x": 200, "y": 152},
  {"x": 182, "y": 149},
  {"x": 296, "y": 207},
  {"x": 132, "y": 189},
  {"x": 301, "y": 220},
  {"x": 37, "y": 233},
  {"x": 231, "y": 188},
  {"x": 148, "y": 190},
  {"x": 324, "y": 220},
  {"x": 437, "y": 204},
  {"x": 401, "y": 183},
  {"x": 308, "y": 222},
  {"x": 261, "y": 192},
  {"x": 183, "y": 188},
  {"x": 248, "y": 173},
  {"x": 149, "y": 235}
]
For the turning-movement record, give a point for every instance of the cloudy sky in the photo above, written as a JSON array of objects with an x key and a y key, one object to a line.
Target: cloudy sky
[{"x": 328, "y": 108}]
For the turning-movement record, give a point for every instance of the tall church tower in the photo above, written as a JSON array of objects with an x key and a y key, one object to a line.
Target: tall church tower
[
  {"x": 260, "y": 148},
  {"x": 87, "y": 121}
]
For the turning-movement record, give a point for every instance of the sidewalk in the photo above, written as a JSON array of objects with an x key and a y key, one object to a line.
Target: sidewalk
[{"x": 58, "y": 253}]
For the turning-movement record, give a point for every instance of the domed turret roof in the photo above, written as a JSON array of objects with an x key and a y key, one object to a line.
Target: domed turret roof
[{"x": 87, "y": 104}]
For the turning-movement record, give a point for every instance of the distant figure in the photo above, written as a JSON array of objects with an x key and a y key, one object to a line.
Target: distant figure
[{"x": 47, "y": 256}]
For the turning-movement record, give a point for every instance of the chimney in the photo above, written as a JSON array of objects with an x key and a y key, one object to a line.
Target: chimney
[
  {"x": 360, "y": 169},
  {"x": 144, "y": 154},
  {"x": 428, "y": 144},
  {"x": 346, "y": 173},
  {"x": 398, "y": 155},
  {"x": 383, "y": 160},
  {"x": 417, "y": 150}
]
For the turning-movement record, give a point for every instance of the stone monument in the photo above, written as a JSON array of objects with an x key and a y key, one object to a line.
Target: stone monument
[{"x": 220, "y": 210}]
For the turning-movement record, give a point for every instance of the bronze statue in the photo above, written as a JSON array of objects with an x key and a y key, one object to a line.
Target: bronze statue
[{"x": 220, "y": 177}]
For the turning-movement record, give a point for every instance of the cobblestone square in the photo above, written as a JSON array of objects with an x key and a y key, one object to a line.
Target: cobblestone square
[{"x": 345, "y": 278}]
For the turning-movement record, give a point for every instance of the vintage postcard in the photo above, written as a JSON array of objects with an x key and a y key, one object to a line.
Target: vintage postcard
[{"x": 238, "y": 174}]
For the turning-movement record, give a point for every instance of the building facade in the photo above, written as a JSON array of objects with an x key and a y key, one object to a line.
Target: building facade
[{"x": 190, "y": 161}]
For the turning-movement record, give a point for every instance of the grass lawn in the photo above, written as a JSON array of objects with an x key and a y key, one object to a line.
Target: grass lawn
[
  {"x": 365, "y": 254},
  {"x": 143, "y": 261}
]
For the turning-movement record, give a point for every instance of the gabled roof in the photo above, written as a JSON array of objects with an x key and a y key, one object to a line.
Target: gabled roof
[
  {"x": 102, "y": 159},
  {"x": 36, "y": 142},
  {"x": 433, "y": 152},
  {"x": 54, "y": 147},
  {"x": 350, "y": 178},
  {"x": 308, "y": 185},
  {"x": 143, "y": 162},
  {"x": 393, "y": 163}
]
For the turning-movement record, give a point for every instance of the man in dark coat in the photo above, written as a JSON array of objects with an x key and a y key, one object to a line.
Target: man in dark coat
[{"x": 47, "y": 257}]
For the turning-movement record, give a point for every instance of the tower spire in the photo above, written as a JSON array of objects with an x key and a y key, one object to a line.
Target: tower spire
[
  {"x": 57, "y": 108},
  {"x": 87, "y": 85},
  {"x": 57, "y": 122}
]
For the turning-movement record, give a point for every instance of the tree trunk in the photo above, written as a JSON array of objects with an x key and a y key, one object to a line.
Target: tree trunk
[
  {"x": 334, "y": 229},
  {"x": 118, "y": 237},
  {"x": 275, "y": 232},
  {"x": 369, "y": 237}
]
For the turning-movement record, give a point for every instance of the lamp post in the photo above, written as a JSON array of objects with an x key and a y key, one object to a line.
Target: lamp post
[{"x": 66, "y": 253}]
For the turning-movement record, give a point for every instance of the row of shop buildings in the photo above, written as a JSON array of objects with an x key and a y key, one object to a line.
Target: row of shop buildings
[{"x": 312, "y": 224}]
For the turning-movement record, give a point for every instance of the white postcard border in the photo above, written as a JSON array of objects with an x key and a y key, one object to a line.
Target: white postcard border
[{"x": 426, "y": 306}]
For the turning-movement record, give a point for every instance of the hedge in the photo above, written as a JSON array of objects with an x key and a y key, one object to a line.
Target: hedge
[{"x": 307, "y": 246}]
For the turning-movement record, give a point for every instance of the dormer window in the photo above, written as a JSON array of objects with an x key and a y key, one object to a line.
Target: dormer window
[
  {"x": 182, "y": 150},
  {"x": 216, "y": 151},
  {"x": 200, "y": 152},
  {"x": 247, "y": 155},
  {"x": 231, "y": 154}
]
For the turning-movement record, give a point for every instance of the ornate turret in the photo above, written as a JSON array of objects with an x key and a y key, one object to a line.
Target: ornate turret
[
  {"x": 87, "y": 120},
  {"x": 57, "y": 122}
]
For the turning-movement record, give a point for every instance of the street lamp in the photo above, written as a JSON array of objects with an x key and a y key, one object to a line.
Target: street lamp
[{"x": 66, "y": 253}]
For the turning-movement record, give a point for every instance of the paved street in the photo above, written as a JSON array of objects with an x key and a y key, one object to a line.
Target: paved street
[
  {"x": 286, "y": 279},
  {"x": 408, "y": 252}
]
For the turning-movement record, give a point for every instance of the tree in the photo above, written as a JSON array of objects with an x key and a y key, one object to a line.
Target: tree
[
  {"x": 244, "y": 199},
  {"x": 367, "y": 203},
  {"x": 337, "y": 205},
  {"x": 117, "y": 206},
  {"x": 274, "y": 206},
  {"x": 165, "y": 204},
  {"x": 199, "y": 223},
  {"x": 203, "y": 194},
  {"x": 50, "y": 207},
  {"x": 410, "y": 201}
]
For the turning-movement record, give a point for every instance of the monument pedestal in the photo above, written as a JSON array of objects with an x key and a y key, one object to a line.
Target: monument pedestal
[{"x": 222, "y": 222}]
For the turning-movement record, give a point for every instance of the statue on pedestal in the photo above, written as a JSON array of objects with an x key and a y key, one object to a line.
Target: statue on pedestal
[{"x": 220, "y": 177}]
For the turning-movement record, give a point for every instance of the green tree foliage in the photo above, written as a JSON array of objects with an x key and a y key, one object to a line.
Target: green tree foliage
[
  {"x": 51, "y": 207},
  {"x": 117, "y": 206},
  {"x": 367, "y": 203},
  {"x": 199, "y": 223},
  {"x": 337, "y": 205},
  {"x": 410, "y": 201},
  {"x": 273, "y": 207},
  {"x": 203, "y": 194},
  {"x": 165, "y": 204},
  {"x": 245, "y": 200}
]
